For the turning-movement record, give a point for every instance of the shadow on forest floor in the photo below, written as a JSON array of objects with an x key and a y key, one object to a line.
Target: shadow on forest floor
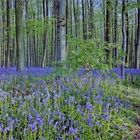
[{"x": 136, "y": 106}]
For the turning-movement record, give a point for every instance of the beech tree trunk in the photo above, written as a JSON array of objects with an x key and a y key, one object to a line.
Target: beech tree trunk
[
  {"x": 19, "y": 36},
  {"x": 124, "y": 39},
  {"x": 45, "y": 40},
  {"x": 115, "y": 29},
  {"x": 8, "y": 36},
  {"x": 108, "y": 27},
  {"x": 138, "y": 40},
  {"x": 61, "y": 30}
]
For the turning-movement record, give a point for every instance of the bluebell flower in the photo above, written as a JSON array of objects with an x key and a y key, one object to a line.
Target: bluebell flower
[
  {"x": 81, "y": 72},
  {"x": 106, "y": 117},
  {"x": 33, "y": 126},
  {"x": 79, "y": 109},
  {"x": 98, "y": 124},
  {"x": 77, "y": 138},
  {"x": 90, "y": 120},
  {"x": 118, "y": 103},
  {"x": 39, "y": 121},
  {"x": 6, "y": 129},
  {"x": 106, "y": 107},
  {"x": 73, "y": 131},
  {"x": 87, "y": 96},
  {"x": 89, "y": 106},
  {"x": 30, "y": 118},
  {"x": 1, "y": 127},
  {"x": 56, "y": 124},
  {"x": 50, "y": 120}
]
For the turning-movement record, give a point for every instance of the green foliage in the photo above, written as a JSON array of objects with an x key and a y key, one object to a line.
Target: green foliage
[
  {"x": 133, "y": 81},
  {"x": 132, "y": 5},
  {"x": 92, "y": 52},
  {"x": 37, "y": 26}
]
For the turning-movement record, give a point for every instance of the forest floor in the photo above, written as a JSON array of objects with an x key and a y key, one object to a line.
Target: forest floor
[
  {"x": 135, "y": 99},
  {"x": 86, "y": 99}
]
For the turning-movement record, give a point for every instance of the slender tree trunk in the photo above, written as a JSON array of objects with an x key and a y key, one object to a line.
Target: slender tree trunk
[
  {"x": 83, "y": 18},
  {"x": 127, "y": 36},
  {"x": 132, "y": 52},
  {"x": 8, "y": 35},
  {"x": 138, "y": 40},
  {"x": 86, "y": 19},
  {"x": 75, "y": 18},
  {"x": 108, "y": 27},
  {"x": 45, "y": 40},
  {"x": 91, "y": 19},
  {"x": 115, "y": 29},
  {"x": 55, "y": 14},
  {"x": 19, "y": 36},
  {"x": 124, "y": 40},
  {"x": 27, "y": 35},
  {"x": 61, "y": 30},
  {"x": 3, "y": 34}
]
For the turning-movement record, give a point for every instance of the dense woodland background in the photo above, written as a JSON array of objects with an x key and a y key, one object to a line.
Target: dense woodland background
[
  {"x": 70, "y": 69},
  {"x": 102, "y": 33}
]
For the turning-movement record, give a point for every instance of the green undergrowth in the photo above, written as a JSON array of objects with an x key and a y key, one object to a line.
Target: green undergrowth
[{"x": 92, "y": 108}]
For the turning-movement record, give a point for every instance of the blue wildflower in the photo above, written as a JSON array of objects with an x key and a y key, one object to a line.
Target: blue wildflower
[
  {"x": 90, "y": 120},
  {"x": 106, "y": 117},
  {"x": 73, "y": 131},
  {"x": 39, "y": 120},
  {"x": 98, "y": 124},
  {"x": 1, "y": 127},
  {"x": 89, "y": 106},
  {"x": 7, "y": 129},
  {"x": 77, "y": 138},
  {"x": 33, "y": 126}
]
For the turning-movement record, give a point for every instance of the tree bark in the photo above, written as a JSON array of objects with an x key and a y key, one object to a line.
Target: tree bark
[
  {"x": 108, "y": 27},
  {"x": 115, "y": 29},
  {"x": 8, "y": 35},
  {"x": 19, "y": 36},
  {"x": 83, "y": 20},
  {"x": 45, "y": 40},
  {"x": 138, "y": 40},
  {"x": 124, "y": 40},
  {"x": 61, "y": 30},
  {"x": 127, "y": 36}
]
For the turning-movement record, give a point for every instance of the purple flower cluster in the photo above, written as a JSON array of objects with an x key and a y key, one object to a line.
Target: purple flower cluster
[
  {"x": 33, "y": 71},
  {"x": 64, "y": 107},
  {"x": 35, "y": 123},
  {"x": 9, "y": 125},
  {"x": 127, "y": 71}
]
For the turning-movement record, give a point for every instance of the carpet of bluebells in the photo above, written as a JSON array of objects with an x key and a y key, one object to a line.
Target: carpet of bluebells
[{"x": 82, "y": 106}]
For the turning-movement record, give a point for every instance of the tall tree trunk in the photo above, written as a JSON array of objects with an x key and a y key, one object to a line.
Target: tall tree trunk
[
  {"x": 124, "y": 40},
  {"x": 86, "y": 19},
  {"x": 127, "y": 36},
  {"x": 45, "y": 40},
  {"x": 19, "y": 36},
  {"x": 83, "y": 20},
  {"x": 75, "y": 18},
  {"x": 61, "y": 30},
  {"x": 108, "y": 27},
  {"x": 27, "y": 35},
  {"x": 55, "y": 14},
  {"x": 132, "y": 50},
  {"x": 91, "y": 24},
  {"x": 8, "y": 35},
  {"x": 115, "y": 29},
  {"x": 138, "y": 40},
  {"x": 3, "y": 34}
]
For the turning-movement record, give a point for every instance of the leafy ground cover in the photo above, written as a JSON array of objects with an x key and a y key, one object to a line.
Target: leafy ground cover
[{"x": 81, "y": 106}]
